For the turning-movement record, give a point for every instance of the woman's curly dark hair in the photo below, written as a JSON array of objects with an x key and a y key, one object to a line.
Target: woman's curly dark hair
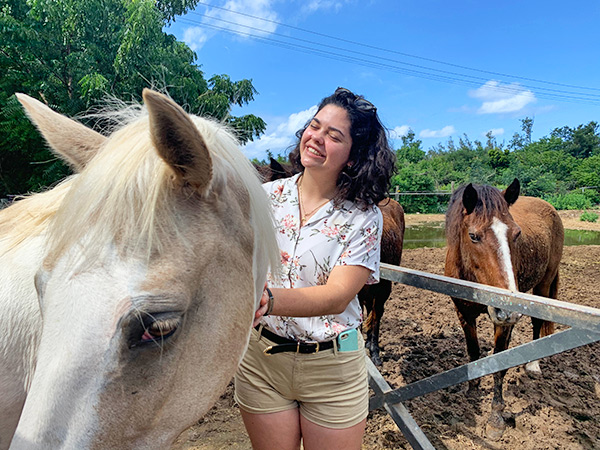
[{"x": 367, "y": 180}]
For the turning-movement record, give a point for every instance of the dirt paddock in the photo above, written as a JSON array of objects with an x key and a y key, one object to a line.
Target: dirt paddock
[{"x": 421, "y": 336}]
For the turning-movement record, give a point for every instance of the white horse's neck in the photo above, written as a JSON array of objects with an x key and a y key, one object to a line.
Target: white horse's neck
[{"x": 20, "y": 329}]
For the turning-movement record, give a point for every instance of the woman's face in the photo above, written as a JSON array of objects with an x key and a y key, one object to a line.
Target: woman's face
[{"x": 325, "y": 144}]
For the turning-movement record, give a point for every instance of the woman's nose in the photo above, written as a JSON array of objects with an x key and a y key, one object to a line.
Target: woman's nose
[{"x": 317, "y": 136}]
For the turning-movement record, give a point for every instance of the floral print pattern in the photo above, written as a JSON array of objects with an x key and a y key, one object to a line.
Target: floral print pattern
[{"x": 342, "y": 235}]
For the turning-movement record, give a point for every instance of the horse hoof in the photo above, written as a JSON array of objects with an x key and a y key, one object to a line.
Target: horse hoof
[
  {"x": 533, "y": 367},
  {"x": 493, "y": 433},
  {"x": 494, "y": 429},
  {"x": 376, "y": 360}
]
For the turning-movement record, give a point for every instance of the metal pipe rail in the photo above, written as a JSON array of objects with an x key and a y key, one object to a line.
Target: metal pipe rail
[{"x": 585, "y": 323}]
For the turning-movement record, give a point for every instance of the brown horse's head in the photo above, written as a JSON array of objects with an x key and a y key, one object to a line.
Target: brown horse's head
[{"x": 481, "y": 236}]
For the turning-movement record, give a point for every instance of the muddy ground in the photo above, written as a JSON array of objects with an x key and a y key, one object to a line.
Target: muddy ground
[{"x": 421, "y": 336}]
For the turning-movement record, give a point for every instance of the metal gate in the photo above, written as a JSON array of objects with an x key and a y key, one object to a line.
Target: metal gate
[{"x": 585, "y": 329}]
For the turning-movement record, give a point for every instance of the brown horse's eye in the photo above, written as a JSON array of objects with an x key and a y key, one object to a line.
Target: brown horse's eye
[
  {"x": 474, "y": 238},
  {"x": 517, "y": 235}
]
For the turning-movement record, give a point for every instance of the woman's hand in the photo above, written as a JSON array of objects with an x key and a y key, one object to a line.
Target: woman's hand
[{"x": 263, "y": 307}]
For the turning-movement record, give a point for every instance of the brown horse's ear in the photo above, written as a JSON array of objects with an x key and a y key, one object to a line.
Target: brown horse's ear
[
  {"x": 277, "y": 170},
  {"x": 512, "y": 192},
  {"x": 178, "y": 141},
  {"x": 470, "y": 198},
  {"x": 71, "y": 141}
]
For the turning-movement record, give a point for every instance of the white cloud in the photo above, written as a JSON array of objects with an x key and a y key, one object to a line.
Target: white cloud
[
  {"x": 195, "y": 37},
  {"x": 241, "y": 23},
  {"x": 495, "y": 132},
  {"x": 502, "y": 98},
  {"x": 400, "y": 131},
  {"x": 283, "y": 136},
  {"x": 315, "y": 5},
  {"x": 444, "y": 132}
]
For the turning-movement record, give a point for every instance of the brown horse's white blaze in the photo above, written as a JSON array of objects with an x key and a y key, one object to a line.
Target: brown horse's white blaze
[
  {"x": 500, "y": 316},
  {"x": 503, "y": 240}
]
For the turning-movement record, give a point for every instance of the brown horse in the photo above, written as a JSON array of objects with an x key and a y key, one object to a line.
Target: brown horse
[
  {"x": 499, "y": 239},
  {"x": 274, "y": 170},
  {"x": 372, "y": 297}
]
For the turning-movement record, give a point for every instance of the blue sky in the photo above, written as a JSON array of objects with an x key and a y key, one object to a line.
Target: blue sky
[{"x": 441, "y": 68}]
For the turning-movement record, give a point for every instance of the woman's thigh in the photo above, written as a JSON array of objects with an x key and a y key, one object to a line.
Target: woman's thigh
[
  {"x": 280, "y": 430},
  {"x": 316, "y": 437}
]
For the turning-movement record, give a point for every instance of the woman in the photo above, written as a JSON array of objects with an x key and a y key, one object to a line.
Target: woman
[{"x": 304, "y": 376}]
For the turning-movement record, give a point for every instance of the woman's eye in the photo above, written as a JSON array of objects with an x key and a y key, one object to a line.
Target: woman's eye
[
  {"x": 474, "y": 237},
  {"x": 159, "y": 330}
]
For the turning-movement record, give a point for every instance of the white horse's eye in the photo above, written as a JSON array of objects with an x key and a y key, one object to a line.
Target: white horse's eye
[{"x": 160, "y": 330}]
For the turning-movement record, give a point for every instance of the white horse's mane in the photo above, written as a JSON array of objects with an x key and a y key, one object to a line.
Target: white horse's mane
[{"x": 126, "y": 195}]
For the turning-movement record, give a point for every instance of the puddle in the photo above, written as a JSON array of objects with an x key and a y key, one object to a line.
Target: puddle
[{"x": 433, "y": 235}]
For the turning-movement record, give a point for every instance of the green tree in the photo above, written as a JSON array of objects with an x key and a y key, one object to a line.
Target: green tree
[
  {"x": 581, "y": 142},
  {"x": 411, "y": 149},
  {"x": 71, "y": 54}
]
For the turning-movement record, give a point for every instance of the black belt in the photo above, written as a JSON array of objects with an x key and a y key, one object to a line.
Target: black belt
[{"x": 289, "y": 345}]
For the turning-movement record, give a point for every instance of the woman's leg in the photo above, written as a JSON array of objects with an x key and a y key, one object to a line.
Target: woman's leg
[
  {"x": 317, "y": 437},
  {"x": 280, "y": 430}
]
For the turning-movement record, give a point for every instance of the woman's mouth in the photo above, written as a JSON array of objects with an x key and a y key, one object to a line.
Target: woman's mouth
[{"x": 313, "y": 151}]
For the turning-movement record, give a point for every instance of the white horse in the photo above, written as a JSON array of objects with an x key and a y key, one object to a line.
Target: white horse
[{"x": 128, "y": 291}]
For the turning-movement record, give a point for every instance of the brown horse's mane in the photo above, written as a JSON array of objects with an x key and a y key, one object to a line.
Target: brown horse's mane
[{"x": 490, "y": 203}]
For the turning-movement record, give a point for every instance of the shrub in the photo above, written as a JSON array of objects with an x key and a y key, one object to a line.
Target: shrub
[
  {"x": 589, "y": 216},
  {"x": 572, "y": 200}
]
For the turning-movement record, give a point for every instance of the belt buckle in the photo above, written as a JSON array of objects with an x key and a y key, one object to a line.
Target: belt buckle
[
  {"x": 315, "y": 343},
  {"x": 267, "y": 350}
]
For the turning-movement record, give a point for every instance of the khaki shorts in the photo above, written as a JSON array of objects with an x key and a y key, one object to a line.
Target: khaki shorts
[{"x": 329, "y": 387}]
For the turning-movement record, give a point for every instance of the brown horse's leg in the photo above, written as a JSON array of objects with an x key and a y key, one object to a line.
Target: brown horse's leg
[
  {"x": 496, "y": 425},
  {"x": 382, "y": 291},
  {"x": 542, "y": 327},
  {"x": 374, "y": 298},
  {"x": 367, "y": 300},
  {"x": 468, "y": 322}
]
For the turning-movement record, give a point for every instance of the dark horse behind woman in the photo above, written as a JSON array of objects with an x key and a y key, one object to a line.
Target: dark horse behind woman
[
  {"x": 501, "y": 239},
  {"x": 372, "y": 297}
]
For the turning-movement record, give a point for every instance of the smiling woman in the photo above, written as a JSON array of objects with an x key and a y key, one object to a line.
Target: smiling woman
[
  {"x": 303, "y": 378},
  {"x": 145, "y": 269}
]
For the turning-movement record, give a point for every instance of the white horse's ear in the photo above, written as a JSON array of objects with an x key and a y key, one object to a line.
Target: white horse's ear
[
  {"x": 178, "y": 141},
  {"x": 71, "y": 141}
]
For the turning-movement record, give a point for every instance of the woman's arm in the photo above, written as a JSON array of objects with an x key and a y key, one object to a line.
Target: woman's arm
[{"x": 332, "y": 298}]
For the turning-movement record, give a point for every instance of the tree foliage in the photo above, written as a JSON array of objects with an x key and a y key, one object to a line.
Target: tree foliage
[
  {"x": 552, "y": 167},
  {"x": 72, "y": 54}
]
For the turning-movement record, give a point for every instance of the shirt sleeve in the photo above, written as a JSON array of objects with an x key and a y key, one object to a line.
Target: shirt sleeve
[{"x": 363, "y": 247}]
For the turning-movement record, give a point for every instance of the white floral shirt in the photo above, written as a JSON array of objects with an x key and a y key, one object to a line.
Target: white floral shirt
[{"x": 333, "y": 236}]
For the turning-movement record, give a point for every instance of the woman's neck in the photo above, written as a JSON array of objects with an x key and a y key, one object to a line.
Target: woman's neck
[{"x": 317, "y": 188}]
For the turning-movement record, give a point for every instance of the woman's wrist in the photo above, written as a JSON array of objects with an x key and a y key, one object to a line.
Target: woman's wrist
[{"x": 270, "y": 303}]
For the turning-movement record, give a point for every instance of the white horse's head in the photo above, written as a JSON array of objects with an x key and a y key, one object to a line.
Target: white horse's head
[{"x": 156, "y": 255}]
